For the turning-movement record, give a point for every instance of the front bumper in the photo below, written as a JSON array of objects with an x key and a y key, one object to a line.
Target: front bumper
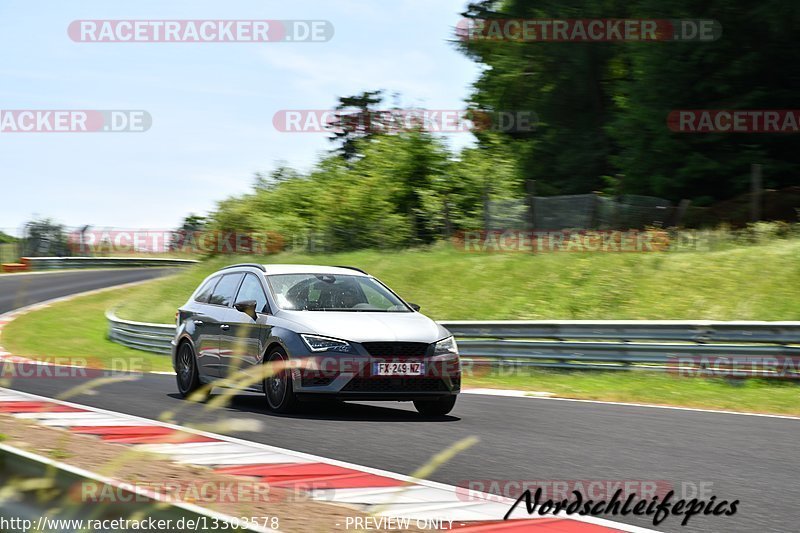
[
  {"x": 353, "y": 376},
  {"x": 388, "y": 388}
]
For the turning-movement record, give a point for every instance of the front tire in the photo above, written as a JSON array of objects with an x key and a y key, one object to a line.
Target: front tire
[
  {"x": 186, "y": 372},
  {"x": 278, "y": 387},
  {"x": 438, "y": 407}
]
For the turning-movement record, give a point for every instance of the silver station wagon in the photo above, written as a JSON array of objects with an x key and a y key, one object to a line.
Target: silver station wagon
[{"x": 298, "y": 332}]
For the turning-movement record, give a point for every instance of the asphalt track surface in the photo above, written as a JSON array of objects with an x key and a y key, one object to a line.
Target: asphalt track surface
[
  {"x": 749, "y": 458},
  {"x": 19, "y": 290}
]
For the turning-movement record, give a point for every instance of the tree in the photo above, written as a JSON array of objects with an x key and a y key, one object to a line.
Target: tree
[
  {"x": 282, "y": 172},
  {"x": 744, "y": 69},
  {"x": 44, "y": 238},
  {"x": 603, "y": 107},
  {"x": 356, "y": 118},
  {"x": 187, "y": 232},
  {"x": 568, "y": 85},
  {"x": 410, "y": 163},
  {"x": 384, "y": 198}
]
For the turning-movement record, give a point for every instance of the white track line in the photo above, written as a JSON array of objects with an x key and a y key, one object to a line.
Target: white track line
[{"x": 516, "y": 394}]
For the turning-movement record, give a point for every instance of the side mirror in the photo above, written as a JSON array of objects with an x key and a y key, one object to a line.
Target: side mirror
[
  {"x": 247, "y": 307},
  {"x": 415, "y": 307}
]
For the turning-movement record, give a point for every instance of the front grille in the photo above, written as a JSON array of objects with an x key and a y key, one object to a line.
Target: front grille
[
  {"x": 396, "y": 349},
  {"x": 396, "y": 384}
]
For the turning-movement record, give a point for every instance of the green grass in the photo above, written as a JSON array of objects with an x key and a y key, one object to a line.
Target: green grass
[
  {"x": 749, "y": 395},
  {"x": 75, "y": 331},
  {"x": 9, "y": 253},
  {"x": 744, "y": 283}
]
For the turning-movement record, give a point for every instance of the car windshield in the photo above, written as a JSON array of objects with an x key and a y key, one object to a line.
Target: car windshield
[{"x": 329, "y": 292}]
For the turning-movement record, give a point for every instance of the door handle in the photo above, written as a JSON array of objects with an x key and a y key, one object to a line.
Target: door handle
[
  {"x": 198, "y": 323},
  {"x": 224, "y": 327}
]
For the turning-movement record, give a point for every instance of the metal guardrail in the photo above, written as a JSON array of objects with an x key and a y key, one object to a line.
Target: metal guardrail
[
  {"x": 36, "y": 487},
  {"x": 724, "y": 348},
  {"x": 57, "y": 263},
  {"x": 697, "y": 331},
  {"x": 580, "y": 344},
  {"x": 140, "y": 335}
]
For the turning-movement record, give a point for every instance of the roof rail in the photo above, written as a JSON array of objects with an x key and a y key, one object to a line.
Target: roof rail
[
  {"x": 254, "y": 265},
  {"x": 352, "y": 268}
]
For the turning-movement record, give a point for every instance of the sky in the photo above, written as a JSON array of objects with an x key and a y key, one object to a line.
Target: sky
[{"x": 211, "y": 104}]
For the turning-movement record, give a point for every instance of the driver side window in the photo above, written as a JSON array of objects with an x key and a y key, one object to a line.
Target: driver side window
[{"x": 251, "y": 289}]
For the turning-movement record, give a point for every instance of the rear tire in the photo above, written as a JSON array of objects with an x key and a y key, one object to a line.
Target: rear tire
[
  {"x": 186, "y": 373},
  {"x": 278, "y": 387},
  {"x": 438, "y": 407}
]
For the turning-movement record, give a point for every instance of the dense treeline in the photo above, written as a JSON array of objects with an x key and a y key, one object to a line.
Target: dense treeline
[
  {"x": 602, "y": 126},
  {"x": 401, "y": 189},
  {"x": 603, "y": 106}
]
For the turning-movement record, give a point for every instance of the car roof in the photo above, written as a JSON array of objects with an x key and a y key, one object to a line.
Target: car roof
[{"x": 310, "y": 269}]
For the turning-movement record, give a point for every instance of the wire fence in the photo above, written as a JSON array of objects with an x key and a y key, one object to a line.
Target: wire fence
[
  {"x": 581, "y": 211},
  {"x": 602, "y": 212}
]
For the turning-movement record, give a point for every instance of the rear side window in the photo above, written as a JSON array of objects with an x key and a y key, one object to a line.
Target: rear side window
[
  {"x": 205, "y": 291},
  {"x": 225, "y": 289},
  {"x": 252, "y": 290}
]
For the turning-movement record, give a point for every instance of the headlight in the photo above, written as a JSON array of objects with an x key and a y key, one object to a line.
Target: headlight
[
  {"x": 446, "y": 346},
  {"x": 326, "y": 344}
]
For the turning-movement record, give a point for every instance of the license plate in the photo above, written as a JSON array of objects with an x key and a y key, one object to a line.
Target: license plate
[{"x": 398, "y": 369}]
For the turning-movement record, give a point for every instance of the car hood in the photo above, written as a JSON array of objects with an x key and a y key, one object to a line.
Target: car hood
[{"x": 366, "y": 326}]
